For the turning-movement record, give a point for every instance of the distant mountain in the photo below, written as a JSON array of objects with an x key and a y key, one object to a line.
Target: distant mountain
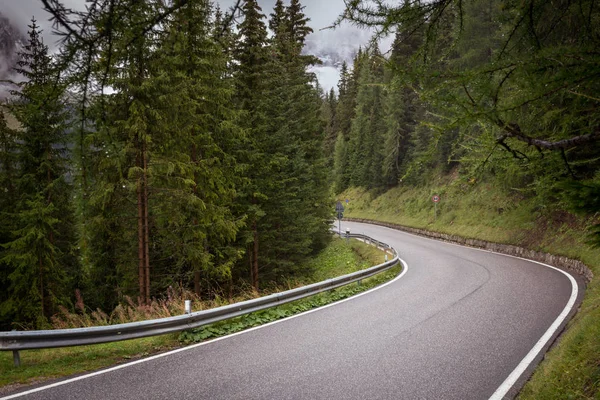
[{"x": 11, "y": 43}]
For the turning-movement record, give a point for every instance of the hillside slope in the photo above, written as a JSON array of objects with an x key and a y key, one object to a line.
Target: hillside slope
[{"x": 483, "y": 211}]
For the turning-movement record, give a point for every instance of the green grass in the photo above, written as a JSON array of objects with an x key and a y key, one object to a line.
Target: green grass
[
  {"x": 53, "y": 363},
  {"x": 272, "y": 314},
  {"x": 338, "y": 258},
  {"x": 571, "y": 370}
]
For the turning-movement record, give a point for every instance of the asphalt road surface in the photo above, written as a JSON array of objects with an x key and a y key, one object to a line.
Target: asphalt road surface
[{"x": 453, "y": 326}]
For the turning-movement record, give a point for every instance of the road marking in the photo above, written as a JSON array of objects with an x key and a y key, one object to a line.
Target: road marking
[
  {"x": 514, "y": 376},
  {"x": 539, "y": 346},
  {"x": 14, "y": 396}
]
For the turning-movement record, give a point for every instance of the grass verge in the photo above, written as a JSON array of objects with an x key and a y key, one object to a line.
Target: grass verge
[
  {"x": 337, "y": 259},
  {"x": 571, "y": 369}
]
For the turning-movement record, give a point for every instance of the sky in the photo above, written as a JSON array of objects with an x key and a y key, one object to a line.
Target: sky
[{"x": 336, "y": 45}]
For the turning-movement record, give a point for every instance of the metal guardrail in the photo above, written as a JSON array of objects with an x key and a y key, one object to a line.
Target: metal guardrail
[{"x": 25, "y": 340}]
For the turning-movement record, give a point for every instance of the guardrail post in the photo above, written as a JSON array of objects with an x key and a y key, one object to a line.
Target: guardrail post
[{"x": 17, "y": 358}]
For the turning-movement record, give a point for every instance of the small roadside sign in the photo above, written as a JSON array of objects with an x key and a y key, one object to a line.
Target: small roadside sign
[
  {"x": 436, "y": 199},
  {"x": 339, "y": 209},
  {"x": 347, "y": 201}
]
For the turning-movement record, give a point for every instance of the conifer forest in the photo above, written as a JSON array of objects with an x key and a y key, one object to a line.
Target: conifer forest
[{"x": 173, "y": 144}]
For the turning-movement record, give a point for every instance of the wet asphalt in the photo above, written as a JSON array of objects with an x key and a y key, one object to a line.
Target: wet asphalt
[{"x": 453, "y": 326}]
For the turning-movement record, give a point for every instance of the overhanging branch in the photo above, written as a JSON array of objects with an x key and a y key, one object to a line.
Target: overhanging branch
[{"x": 512, "y": 130}]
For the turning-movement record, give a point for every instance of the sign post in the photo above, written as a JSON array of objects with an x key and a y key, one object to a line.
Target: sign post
[
  {"x": 435, "y": 199},
  {"x": 339, "y": 209}
]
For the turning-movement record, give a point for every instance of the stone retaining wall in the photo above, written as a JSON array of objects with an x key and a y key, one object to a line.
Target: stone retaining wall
[{"x": 566, "y": 263}]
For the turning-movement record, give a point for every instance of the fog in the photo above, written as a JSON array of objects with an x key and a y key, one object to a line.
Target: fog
[{"x": 333, "y": 45}]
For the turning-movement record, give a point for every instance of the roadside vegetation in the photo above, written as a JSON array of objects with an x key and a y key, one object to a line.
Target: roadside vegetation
[
  {"x": 571, "y": 369},
  {"x": 492, "y": 106},
  {"x": 337, "y": 259}
]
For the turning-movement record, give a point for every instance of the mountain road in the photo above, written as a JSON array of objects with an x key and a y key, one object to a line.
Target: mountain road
[{"x": 455, "y": 325}]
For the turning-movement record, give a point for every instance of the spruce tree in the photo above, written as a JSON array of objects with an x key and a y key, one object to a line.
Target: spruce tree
[
  {"x": 197, "y": 172},
  {"x": 251, "y": 55},
  {"x": 8, "y": 171},
  {"x": 342, "y": 125},
  {"x": 328, "y": 115},
  {"x": 121, "y": 152},
  {"x": 364, "y": 146},
  {"x": 39, "y": 251},
  {"x": 403, "y": 110},
  {"x": 288, "y": 210}
]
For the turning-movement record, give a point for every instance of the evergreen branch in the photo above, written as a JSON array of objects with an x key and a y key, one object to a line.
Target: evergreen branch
[
  {"x": 487, "y": 158},
  {"x": 512, "y": 33},
  {"x": 564, "y": 157},
  {"x": 497, "y": 93},
  {"x": 469, "y": 95},
  {"x": 160, "y": 17},
  {"x": 553, "y": 91},
  {"x": 584, "y": 95},
  {"x": 230, "y": 17},
  {"x": 60, "y": 17},
  {"x": 516, "y": 154},
  {"x": 512, "y": 130}
]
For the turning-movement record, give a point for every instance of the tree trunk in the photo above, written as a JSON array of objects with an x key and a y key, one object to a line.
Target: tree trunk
[
  {"x": 42, "y": 286},
  {"x": 141, "y": 278},
  {"x": 194, "y": 154},
  {"x": 255, "y": 258},
  {"x": 197, "y": 283},
  {"x": 141, "y": 236},
  {"x": 146, "y": 229}
]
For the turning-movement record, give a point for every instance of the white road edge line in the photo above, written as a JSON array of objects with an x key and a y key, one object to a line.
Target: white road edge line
[
  {"x": 533, "y": 353},
  {"x": 514, "y": 376},
  {"x": 14, "y": 396}
]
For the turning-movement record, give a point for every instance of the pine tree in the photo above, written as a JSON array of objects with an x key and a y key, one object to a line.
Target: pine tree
[
  {"x": 364, "y": 145},
  {"x": 342, "y": 124},
  {"x": 340, "y": 164},
  {"x": 278, "y": 20},
  {"x": 403, "y": 110},
  {"x": 288, "y": 209},
  {"x": 8, "y": 171},
  {"x": 121, "y": 152},
  {"x": 41, "y": 244},
  {"x": 328, "y": 112},
  {"x": 298, "y": 30},
  {"x": 198, "y": 173},
  {"x": 251, "y": 55}
]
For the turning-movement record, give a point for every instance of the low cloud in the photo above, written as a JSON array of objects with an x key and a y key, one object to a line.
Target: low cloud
[
  {"x": 332, "y": 46},
  {"x": 328, "y": 77}
]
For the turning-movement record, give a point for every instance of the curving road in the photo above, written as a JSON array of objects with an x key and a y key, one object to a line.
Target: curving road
[{"x": 453, "y": 326}]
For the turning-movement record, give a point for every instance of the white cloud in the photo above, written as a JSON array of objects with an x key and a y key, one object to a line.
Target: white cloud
[
  {"x": 328, "y": 76},
  {"x": 333, "y": 46}
]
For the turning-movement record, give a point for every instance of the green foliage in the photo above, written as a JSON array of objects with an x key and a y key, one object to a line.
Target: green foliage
[
  {"x": 38, "y": 242},
  {"x": 285, "y": 196},
  {"x": 365, "y": 138},
  {"x": 478, "y": 90},
  {"x": 206, "y": 151},
  {"x": 583, "y": 198}
]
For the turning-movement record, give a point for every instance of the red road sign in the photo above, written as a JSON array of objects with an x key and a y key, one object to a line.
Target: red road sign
[{"x": 435, "y": 199}]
